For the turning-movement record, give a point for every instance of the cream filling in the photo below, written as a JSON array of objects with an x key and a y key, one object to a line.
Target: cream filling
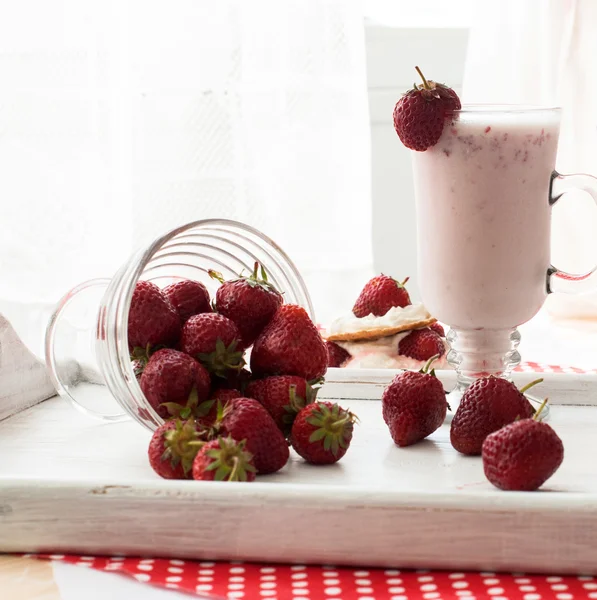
[
  {"x": 385, "y": 345},
  {"x": 382, "y": 353},
  {"x": 395, "y": 317}
]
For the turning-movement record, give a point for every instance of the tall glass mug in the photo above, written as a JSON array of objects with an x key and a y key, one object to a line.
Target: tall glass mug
[{"x": 484, "y": 195}]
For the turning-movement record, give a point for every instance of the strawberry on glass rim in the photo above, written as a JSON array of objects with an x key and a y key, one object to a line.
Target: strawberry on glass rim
[{"x": 422, "y": 112}]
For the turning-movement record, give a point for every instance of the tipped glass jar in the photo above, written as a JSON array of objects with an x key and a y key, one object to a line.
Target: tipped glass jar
[{"x": 86, "y": 345}]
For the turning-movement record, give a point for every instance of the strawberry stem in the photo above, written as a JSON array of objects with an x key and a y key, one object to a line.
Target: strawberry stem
[
  {"x": 401, "y": 283},
  {"x": 425, "y": 369},
  {"x": 216, "y": 275},
  {"x": 425, "y": 84},
  {"x": 528, "y": 386},
  {"x": 339, "y": 424},
  {"x": 234, "y": 473},
  {"x": 540, "y": 410}
]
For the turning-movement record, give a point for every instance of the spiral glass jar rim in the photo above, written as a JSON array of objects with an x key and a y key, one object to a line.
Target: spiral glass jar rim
[{"x": 221, "y": 242}]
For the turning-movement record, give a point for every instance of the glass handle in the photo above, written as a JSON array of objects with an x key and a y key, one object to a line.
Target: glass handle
[{"x": 557, "y": 280}]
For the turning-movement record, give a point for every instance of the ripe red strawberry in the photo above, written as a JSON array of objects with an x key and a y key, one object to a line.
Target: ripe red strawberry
[
  {"x": 250, "y": 302},
  {"x": 215, "y": 341},
  {"x": 421, "y": 344},
  {"x": 208, "y": 412},
  {"x": 421, "y": 113},
  {"x": 337, "y": 356},
  {"x": 174, "y": 383},
  {"x": 414, "y": 406},
  {"x": 246, "y": 419},
  {"x": 488, "y": 404},
  {"x": 153, "y": 321},
  {"x": 290, "y": 345},
  {"x": 189, "y": 298},
  {"x": 438, "y": 329},
  {"x": 173, "y": 448},
  {"x": 522, "y": 456},
  {"x": 224, "y": 459},
  {"x": 379, "y": 295},
  {"x": 283, "y": 396},
  {"x": 322, "y": 432}
]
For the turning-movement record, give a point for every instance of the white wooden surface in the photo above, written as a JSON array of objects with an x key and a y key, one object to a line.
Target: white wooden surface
[{"x": 68, "y": 483}]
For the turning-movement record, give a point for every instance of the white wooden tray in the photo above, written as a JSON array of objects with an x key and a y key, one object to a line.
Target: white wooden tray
[
  {"x": 369, "y": 384},
  {"x": 71, "y": 484}
]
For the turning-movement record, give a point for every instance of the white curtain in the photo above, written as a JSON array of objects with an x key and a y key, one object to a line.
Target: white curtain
[
  {"x": 122, "y": 119},
  {"x": 545, "y": 52}
]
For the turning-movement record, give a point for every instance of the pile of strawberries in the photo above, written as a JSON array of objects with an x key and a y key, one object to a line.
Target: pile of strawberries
[
  {"x": 494, "y": 420},
  {"x": 222, "y": 420}
]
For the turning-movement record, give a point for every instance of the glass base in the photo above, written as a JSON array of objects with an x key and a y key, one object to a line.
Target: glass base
[{"x": 480, "y": 353}]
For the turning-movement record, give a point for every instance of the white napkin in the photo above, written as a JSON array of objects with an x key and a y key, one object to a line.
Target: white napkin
[{"x": 24, "y": 380}]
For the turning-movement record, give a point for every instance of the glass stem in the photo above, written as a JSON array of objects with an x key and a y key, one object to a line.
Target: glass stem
[{"x": 479, "y": 353}]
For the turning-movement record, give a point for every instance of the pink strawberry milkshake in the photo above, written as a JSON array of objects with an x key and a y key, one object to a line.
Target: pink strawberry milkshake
[{"x": 483, "y": 217}]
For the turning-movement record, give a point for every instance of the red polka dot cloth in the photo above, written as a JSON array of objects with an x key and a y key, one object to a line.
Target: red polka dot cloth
[{"x": 248, "y": 581}]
